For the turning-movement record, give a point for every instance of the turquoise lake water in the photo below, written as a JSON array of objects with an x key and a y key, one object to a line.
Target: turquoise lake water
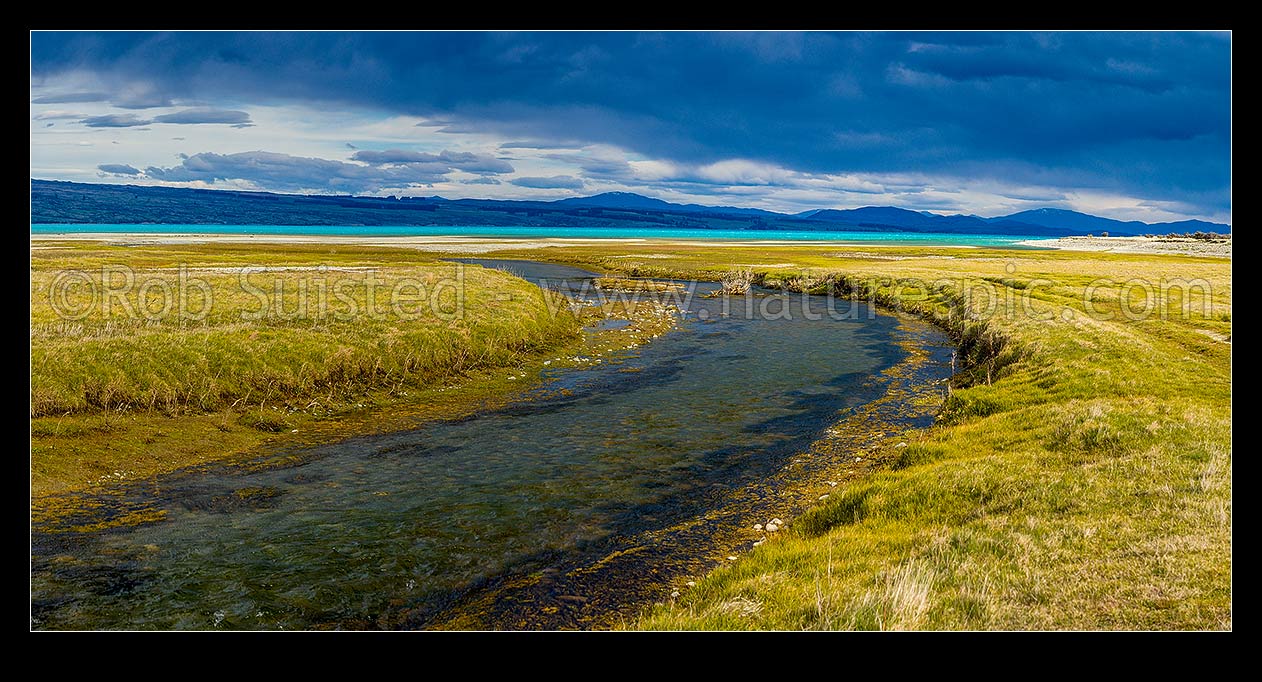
[{"x": 542, "y": 232}]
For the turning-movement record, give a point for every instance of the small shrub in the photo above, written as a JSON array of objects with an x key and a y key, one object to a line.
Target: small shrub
[{"x": 737, "y": 281}]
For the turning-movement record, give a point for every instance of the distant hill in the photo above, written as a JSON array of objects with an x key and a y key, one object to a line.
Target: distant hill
[
  {"x": 1082, "y": 223},
  {"x": 631, "y": 200},
  {"x": 875, "y": 215},
  {"x": 71, "y": 202},
  {"x": 1070, "y": 220},
  {"x": 1185, "y": 226},
  {"x": 618, "y": 200},
  {"x": 1042, "y": 221},
  {"x": 889, "y": 216}
]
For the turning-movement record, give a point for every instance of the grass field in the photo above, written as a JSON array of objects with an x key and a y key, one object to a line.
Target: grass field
[
  {"x": 1078, "y": 477},
  {"x": 128, "y": 386}
]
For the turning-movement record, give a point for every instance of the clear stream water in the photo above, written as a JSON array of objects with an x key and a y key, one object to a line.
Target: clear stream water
[
  {"x": 405, "y": 529},
  {"x": 542, "y": 232}
]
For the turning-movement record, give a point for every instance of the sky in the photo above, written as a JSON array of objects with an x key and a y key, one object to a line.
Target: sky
[{"x": 1127, "y": 125}]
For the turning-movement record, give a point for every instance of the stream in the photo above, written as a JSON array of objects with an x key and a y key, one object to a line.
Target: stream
[{"x": 572, "y": 507}]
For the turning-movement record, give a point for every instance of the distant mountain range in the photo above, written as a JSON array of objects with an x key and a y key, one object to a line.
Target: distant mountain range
[
  {"x": 1071, "y": 222},
  {"x": 71, "y": 202},
  {"x": 632, "y": 201}
]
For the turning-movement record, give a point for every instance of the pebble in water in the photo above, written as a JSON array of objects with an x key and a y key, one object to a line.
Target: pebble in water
[{"x": 771, "y": 528}]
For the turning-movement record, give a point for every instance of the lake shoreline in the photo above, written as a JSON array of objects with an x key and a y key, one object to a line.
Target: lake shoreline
[
  {"x": 474, "y": 244},
  {"x": 1183, "y": 246}
]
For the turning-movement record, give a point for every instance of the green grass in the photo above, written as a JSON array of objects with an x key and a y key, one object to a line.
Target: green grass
[
  {"x": 1079, "y": 476},
  {"x": 318, "y": 341},
  {"x": 118, "y": 395},
  {"x": 633, "y": 285}
]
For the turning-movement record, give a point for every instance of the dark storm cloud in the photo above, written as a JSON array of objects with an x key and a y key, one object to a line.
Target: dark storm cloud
[
  {"x": 140, "y": 100},
  {"x": 602, "y": 167},
  {"x": 285, "y": 172},
  {"x": 465, "y": 161},
  {"x": 118, "y": 169},
  {"x": 1140, "y": 113},
  {"x": 205, "y": 115},
  {"x": 115, "y": 121},
  {"x": 55, "y": 114}
]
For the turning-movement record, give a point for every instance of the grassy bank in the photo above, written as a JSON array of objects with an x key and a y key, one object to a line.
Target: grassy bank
[
  {"x": 272, "y": 341},
  {"x": 1079, "y": 475}
]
